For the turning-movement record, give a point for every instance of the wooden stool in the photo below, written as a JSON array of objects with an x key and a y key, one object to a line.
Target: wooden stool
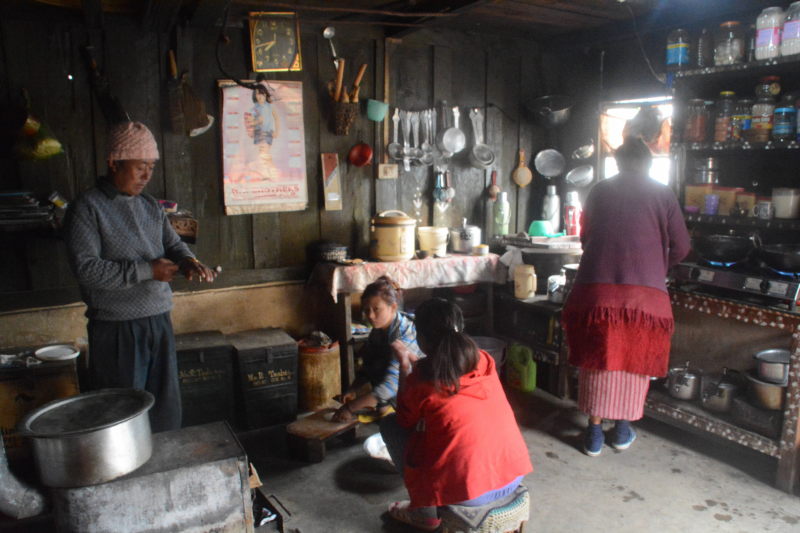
[
  {"x": 508, "y": 517},
  {"x": 306, "y": 437}
]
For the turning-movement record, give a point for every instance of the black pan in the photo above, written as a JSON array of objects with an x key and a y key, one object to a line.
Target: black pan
[
  {"x": 783, "y": 257},
  {"x": 723, "y": 248}
]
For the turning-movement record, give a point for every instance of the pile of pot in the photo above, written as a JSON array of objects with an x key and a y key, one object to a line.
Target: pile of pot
[
  {"x": 767, "y": 384},
  {"x": 715, "y": 391}
]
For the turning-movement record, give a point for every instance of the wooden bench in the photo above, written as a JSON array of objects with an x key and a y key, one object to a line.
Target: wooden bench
[{"x": 307, "y": 437}]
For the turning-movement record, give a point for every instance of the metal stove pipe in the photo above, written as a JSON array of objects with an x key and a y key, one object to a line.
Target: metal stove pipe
[{"x": 17, "y": 499}]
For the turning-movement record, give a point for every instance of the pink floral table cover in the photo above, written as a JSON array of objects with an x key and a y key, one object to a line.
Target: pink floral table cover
[{"x": 418, "y": 273}]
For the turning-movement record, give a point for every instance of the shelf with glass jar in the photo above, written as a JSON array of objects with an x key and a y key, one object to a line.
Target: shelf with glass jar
[{"x": 752, "y": 68}]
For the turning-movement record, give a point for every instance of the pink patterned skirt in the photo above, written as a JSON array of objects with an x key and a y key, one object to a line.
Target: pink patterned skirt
[{"x": 615, "y": 395}]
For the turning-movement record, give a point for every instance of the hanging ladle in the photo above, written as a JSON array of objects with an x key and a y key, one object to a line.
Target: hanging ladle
[{"x": 329, "y": 32}]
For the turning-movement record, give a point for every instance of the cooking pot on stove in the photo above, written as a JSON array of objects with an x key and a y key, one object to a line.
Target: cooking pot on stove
[
  {"x": 682, "y": 383},
  {"x": 723, "y": 248},
  {"x": 782, "y": 257},
  {"x": 90, "y": 438}
]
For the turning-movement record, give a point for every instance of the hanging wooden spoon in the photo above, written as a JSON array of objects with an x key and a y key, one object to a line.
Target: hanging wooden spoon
[
  {"x": 522, "y": 175},
  {"x": 494, "y": 189}
]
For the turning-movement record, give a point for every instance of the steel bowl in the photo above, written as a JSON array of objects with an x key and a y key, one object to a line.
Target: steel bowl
[
  {"x": 90, "y": 438},
  {"x": 773, "y": 365}
]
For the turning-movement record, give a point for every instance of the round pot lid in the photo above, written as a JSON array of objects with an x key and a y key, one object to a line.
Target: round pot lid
[
  {"x": 549, "y": 163},
  {"x": 87, "y": 412},
  {"x": 399, "y": 219}
]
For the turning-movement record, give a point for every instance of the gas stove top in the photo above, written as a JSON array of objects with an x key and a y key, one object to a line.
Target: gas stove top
[{"x": 749, "y": 282}]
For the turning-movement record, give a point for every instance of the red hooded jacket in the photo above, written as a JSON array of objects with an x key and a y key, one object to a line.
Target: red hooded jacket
[{"x": 465, "y": 444}]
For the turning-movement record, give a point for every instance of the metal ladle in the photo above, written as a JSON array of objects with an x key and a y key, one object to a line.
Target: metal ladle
[
  {"x": 329, "y": 32},
  {"x": 394, "y": 148}
]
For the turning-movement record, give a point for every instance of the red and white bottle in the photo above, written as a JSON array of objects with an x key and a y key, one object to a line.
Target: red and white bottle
[{"x": 572, "y": 214}]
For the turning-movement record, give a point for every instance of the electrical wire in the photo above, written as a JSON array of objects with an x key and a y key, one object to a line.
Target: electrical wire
[{"x": 641, "y": 45}]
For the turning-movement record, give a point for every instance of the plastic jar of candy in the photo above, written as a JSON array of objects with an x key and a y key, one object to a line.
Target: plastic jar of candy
[
  {"x": 768, "y": 33},
  {"x": 790, "y": 37},
  {"x": 696, "y": 128}
]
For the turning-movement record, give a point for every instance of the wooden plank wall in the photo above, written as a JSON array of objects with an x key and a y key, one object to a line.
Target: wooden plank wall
[{"x": 40, "y": 49}]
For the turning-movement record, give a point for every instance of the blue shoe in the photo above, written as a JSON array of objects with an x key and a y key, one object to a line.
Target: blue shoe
[
  {"x": 593, "y": 440},
  {"x": 624, "y": 435}
]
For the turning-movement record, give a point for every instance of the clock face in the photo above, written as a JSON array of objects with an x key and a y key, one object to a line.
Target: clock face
[{"x": 275, "y": 42}]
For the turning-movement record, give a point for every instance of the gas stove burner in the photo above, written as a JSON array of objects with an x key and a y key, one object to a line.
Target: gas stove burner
[
  {"x": 721, "y": 264},
  {"x": 793, "y": 275}
]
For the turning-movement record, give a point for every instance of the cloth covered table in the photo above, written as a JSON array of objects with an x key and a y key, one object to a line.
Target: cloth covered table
[{"x": 419, "y": 273}]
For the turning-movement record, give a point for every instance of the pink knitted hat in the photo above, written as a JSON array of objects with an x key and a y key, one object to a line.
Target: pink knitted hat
[{"x": 131, "y": 140}]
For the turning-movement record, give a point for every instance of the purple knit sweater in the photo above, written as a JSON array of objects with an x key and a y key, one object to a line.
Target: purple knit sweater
[{"x": 632, "y": 232}]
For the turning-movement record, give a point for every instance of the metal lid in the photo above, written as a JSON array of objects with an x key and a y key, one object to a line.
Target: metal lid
[{"x": 90, "y": 411}]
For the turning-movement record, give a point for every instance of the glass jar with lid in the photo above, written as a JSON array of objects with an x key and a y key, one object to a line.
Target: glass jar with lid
[
  {"x": 768, "y": 33},
  {"x": 729, "y": 44},
  {"x": 722, "y": 120},
  {"x": 763, "y": 114},
  {"x": 768, "y": 86},
  {"x": 742, "y": 117},
  {"x": 790, "y": 37},
  {"x": 696, "y": 128}
]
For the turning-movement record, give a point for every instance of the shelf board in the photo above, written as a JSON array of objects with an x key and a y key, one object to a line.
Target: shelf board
[
  {"x": 744, "y": 222},
  {"x": 661, "y": 406},
  {"x": 753, "y": 68},
  {"x": 738, "y": 148}
]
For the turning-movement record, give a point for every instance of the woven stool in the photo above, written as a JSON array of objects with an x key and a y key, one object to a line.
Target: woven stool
[{"x": 508, "y": 516}]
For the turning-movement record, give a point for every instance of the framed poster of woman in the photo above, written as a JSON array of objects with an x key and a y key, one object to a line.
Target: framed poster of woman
[
  {"x": 263, "y": 147},
  {"x": 275, "y": 41}
]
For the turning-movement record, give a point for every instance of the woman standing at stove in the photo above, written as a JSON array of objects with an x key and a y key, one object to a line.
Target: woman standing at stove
[{"x": 618, "y": 318}]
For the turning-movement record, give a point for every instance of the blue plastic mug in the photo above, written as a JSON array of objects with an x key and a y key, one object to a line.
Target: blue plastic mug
[{"x": 376, "y": 110}]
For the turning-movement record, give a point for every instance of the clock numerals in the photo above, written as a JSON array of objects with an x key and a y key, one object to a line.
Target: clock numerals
[{"x": 275, "y": 42}]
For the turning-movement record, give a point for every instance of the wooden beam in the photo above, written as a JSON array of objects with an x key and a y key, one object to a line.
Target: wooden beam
[{"x": 453, "y": 8}]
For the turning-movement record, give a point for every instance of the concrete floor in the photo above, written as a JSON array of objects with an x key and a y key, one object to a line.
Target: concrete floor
[{"x": 667, "y": 481}]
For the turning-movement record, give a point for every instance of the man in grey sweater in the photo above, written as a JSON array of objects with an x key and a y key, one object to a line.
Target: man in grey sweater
[{"x": 124, "y": 253}]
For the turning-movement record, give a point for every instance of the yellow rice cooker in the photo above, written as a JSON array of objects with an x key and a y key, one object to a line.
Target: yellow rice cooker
[{"x": 391, "y": 235}]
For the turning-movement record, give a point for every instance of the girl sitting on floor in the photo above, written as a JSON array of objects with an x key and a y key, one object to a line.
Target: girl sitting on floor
[{"x": 380, "y": 304}]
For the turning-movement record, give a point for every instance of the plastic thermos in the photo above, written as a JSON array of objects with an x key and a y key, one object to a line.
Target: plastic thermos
[
  {"x": 551, "y": 209},
  {"x": 502, "y": 214}
]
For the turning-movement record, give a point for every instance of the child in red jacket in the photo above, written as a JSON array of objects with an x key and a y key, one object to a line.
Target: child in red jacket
[{"x": 454, "y": 436}]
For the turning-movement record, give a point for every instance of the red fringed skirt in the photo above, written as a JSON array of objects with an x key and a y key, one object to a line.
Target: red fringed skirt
[{"x": 618, "y": 328}]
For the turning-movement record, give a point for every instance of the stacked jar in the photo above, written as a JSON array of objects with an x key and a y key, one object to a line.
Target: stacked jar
[
  {"x": 767, "y": 90},
  {"x": 769, "y": 25},
  {"x": 790, "y": 38}
]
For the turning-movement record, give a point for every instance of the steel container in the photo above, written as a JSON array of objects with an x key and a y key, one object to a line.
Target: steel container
[
  {"x": 90, "y": 438},
  {"x": 773, "y": 365},
  {"x": 683, "y": 384},
  {"x": 765, "y": 394}
]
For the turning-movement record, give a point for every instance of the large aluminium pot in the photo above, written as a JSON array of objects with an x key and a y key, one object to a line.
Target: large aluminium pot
[
  {"x": 723, "y": 248},
  {"x": 391, "y": 236},
  {"x": 90, "y": 438}
]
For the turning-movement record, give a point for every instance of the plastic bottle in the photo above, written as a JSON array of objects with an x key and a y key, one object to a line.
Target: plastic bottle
[
  {"x": 704, "y": 51},
  {"x": 551, "y": 208},
  {"x": 502, "y": 214},
  {"x": 677, "y": 50},
  {"x": 572, "y": 214},
  {"x": 784, "y": 121},
  {"x": 768, "y": 33},
  {"x": 722, "y": 121},
  {"x": 790, "y": 37}
]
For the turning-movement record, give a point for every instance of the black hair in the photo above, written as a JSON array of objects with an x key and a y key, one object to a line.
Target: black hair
[
  {"x": 450, "y": 353},
  {"x": 263, "y": 90},
  {"x": 633, "y": 154},
  {"x": 386, "y": 288}
]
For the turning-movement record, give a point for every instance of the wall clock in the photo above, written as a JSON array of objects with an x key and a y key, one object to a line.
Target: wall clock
[{"x": 275, "y": 41}]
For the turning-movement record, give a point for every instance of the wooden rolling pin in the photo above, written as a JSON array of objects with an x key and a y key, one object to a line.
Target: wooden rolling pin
[
  {"x": 337, "y": 95},
  {"x": 357, "y": 83}
]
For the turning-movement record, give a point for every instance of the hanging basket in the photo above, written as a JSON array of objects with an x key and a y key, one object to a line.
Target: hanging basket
[{"x": 344, "y": 114}]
